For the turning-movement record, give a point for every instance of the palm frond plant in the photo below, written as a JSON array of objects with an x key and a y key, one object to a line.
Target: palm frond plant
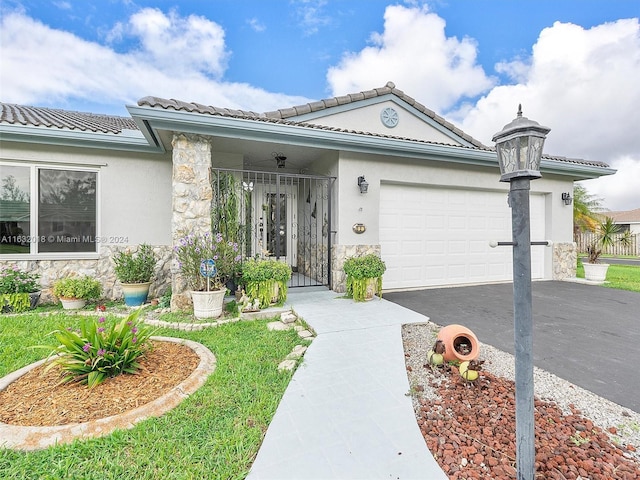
[
  {"x": 586, "y": 210},
  {"x": 606, "y": 232}
]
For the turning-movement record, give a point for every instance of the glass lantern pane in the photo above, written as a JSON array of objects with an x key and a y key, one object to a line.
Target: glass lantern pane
[
  {"x": 534, "y": 153},
  {"x": 508, "y": 152}
]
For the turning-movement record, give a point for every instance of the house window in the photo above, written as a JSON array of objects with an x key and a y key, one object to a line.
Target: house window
[
  {"x": 47, "y": 210},
  {"x": 15, "y": 212}
]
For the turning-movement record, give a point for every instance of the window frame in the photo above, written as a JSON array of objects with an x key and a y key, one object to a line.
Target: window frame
[{"x": 34, "y": 192}]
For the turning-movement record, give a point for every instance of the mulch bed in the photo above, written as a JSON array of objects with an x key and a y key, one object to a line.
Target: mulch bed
[{"x": 36, "y": 399}]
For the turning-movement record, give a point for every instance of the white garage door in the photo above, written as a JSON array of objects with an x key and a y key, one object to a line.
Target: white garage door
[{"x": 439, "y": 236}]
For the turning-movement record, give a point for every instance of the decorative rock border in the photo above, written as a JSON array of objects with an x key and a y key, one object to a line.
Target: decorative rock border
[
  {"x": 34, "y": 438},
  {"x": 193, "y": 326}
]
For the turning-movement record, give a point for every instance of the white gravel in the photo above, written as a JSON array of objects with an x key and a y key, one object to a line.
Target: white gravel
[{"x": 602, "y": 412}]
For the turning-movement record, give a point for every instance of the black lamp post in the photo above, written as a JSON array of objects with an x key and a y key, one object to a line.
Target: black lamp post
[{"x": 519, "y": 147}]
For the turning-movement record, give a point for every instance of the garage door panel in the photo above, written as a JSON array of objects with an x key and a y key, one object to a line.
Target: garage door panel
[{"x": 444, "y": 235}]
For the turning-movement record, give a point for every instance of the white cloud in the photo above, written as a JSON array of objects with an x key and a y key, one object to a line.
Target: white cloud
[
  {"x": 310, "y": 15},
  {"x": 176, "y": 57},
  {"x": 169, "y": 41},
  {"x": 622, "y": 190},
  {"x": 583, "y": 84},
  {"x": 414, "y": 52},
  {"x": 256, "y": 25}
]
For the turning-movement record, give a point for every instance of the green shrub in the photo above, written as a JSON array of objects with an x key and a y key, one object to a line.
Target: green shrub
[
  {"x": 100, "y": 349},
  {"x": 14, "y": 280},
  {"x": 262, "y": 277},
  {"x": 359, "y": 271},
  {"x": 77, "y": 287},
  {"x": 135, "y": 268}
]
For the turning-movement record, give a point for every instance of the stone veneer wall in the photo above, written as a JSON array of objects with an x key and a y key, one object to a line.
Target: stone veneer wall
[
  {"x": 102, "y": 269},
  {"x": 339, "y": 253},
  {"x": 191, "y": 206},
  {"x": 565, "y": 258}
]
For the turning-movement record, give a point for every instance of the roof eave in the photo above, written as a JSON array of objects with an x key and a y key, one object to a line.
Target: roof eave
[
  {"x": 72, "y": 138},
  {"x": 152, "y": 120}
]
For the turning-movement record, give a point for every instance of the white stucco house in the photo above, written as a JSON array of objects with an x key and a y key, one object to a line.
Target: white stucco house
[{"x": 75, "y": 187}]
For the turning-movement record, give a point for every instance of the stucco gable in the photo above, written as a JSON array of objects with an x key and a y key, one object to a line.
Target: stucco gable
[{"x": 362, "y": 112}]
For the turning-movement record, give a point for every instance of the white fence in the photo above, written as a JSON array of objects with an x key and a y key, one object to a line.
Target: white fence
[{"x": 632, "y": 247}]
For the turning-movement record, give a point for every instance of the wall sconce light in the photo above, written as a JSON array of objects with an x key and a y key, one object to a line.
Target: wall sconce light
[
  {"x": 363, "y": 184},
  {"x": 566, "y": 198}
]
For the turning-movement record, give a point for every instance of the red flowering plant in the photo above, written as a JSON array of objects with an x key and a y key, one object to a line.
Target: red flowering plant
[{"x": 192, "y": 250}]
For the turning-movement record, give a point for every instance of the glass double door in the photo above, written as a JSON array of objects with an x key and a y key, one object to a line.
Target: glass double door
[{"x": 276, "y": 219}]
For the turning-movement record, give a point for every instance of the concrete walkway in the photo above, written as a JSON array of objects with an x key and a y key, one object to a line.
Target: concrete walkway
[{"x": 346, "y": 414}]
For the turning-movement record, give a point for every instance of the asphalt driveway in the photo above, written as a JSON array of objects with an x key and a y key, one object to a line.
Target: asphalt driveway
[{"x": 588, "y": 335}]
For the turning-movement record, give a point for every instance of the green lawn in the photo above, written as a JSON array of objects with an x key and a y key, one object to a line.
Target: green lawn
[
  {"x": 622, "y": 277},
  {"x": 214, "y": 434}
]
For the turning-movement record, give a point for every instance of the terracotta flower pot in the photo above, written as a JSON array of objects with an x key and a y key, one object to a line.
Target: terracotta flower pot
[{"x": 460, "y": 343}]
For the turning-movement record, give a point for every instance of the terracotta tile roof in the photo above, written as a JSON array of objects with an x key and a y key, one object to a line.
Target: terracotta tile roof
[
  {"x": 64, "y": 119},
  {"x": 282, "y": 116},
  {"x": 629, "y": 216}
]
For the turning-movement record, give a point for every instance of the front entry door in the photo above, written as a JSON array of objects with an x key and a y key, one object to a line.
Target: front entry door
[{"x": 276, "y": 207}]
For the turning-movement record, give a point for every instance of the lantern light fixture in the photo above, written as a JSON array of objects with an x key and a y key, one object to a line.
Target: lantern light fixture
[
  {"x": 363, "y": 184},
  {"x": 519, "y": 147}
]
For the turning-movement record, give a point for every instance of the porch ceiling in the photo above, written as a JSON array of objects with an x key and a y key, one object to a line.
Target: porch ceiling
[{"x": 258, "y": 155}]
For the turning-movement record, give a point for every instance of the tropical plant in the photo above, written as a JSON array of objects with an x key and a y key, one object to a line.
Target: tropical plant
[
  {"x": 605, "y": 237},
  {"x": 359, "y": 271},
  {"x": 193, "y": 250},
  {"x": 261, "y": 278},
  {"x": 100, "y": 349},
  {"x": 83, "y": 287},
  {"x": 586, "y": 210},
  {"x": 135, "y": 267},
  {"x": 225, "y": 212}
]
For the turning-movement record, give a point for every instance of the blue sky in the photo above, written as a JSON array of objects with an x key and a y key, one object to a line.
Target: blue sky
[{"x": 573, "y": 64}]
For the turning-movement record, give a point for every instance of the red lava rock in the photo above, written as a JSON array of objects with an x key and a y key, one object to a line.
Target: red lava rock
[{"x": 478, "y": 423}]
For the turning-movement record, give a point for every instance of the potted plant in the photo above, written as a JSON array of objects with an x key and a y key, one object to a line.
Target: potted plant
[
  {"x": 364, "y": 276},
  {"x": 207, "y": 262},
  {"x": 74, "y": 292},
  {"x": 134, "y": 271},
  {"x": 19, "y": 290},
  {"x": 266, "y": 280},
  {"x": 605, "y": 237}
]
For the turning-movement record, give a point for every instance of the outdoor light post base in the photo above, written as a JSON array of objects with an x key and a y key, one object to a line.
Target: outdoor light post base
[{"x": 523, "y": 327}]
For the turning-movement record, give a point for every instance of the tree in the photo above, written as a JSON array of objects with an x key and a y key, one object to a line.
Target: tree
[
  {"x": 587, "y": 210},
  {"x": 12, "y": 192}
]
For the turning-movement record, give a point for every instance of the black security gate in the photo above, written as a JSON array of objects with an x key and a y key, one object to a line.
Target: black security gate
[{"x": 274, "y": 215}]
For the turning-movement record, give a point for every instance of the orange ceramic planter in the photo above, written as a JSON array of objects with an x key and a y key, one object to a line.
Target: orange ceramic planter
[{"x": 460, "y": 343}]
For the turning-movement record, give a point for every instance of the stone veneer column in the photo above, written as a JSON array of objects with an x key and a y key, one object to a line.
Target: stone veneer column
[
  {"x": 339, "y": 254},
  {"x": 191, "y": 204},
  {"x": 565, "y": 258}
]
